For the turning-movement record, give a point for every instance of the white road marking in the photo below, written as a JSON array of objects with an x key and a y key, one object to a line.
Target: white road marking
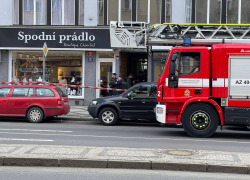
[
  {"x": 12, "y": 139},
  {"x": 33, "y": 130},
  {"x": 145, "y": 138}
]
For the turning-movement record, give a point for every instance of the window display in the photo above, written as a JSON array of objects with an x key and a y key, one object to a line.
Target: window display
[{"x": 60, "y": 67}]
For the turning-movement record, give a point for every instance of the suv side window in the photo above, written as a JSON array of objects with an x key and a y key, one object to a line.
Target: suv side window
[
  {"x": 153, "y": 91},
  {"x": 22, "y": 92},
  {"x": 4, "y": 92},
  {"x": 141, "y": 91},
  {"x": 44, "y": 92}
]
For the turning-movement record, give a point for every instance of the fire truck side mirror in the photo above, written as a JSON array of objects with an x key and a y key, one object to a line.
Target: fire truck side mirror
[
  {"x": 172, "y": 68},
  {"x": 174, "y": 57}
]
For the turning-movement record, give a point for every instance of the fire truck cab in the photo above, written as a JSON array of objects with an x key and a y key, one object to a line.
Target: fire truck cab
[{"x": 203, "y": 87}]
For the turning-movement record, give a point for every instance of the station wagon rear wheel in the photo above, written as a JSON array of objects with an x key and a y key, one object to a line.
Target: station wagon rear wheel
[
  {"x": 108, "y": 116},
  {"x": 35, "y": 115}
]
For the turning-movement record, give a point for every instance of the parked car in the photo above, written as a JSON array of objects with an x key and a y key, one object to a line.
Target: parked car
[
  {"x": 138, "y": 102},
  {"x": 36, "y": 102}
]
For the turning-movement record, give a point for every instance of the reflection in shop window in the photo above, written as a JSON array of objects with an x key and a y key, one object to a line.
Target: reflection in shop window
[
  {"x": 159, "y": 59},
  {"x": 142, "y": 10},
  {"x": 155, "y": 11},
  {"x": 112, "y": 10},
  {"x": 126, "y": 10},
  {"x": 100, "y": 12},
  {"x": 168, "y": 11},
  {"x": 215, "y": 11},
  {"x": 201, "y": 11},
  {"x": 63, "y": 68},
  {"x": 245, "y": 13},
  {"x": 232, "y": 11}
]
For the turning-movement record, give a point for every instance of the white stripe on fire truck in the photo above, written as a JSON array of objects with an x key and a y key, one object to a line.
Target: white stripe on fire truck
[
  {"x": 190, "y": 82},
  {"x": 166, "y": 82},
  {"x": 218, "y": 83}
]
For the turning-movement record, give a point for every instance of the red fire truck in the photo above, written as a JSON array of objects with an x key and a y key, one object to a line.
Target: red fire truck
[
  {"x": 205, "y": 87},
  {"x": 206, "y": 80}
]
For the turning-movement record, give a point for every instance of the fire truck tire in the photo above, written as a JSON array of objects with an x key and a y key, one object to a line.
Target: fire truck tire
[
  {"x": 200, "y": 120},
  {"x": 108, "y": 116}
]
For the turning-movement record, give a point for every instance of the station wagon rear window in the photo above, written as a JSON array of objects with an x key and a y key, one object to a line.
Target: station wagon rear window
[
  {"x": 61, "y": 92},
  {"x": 44, "y": 92}
]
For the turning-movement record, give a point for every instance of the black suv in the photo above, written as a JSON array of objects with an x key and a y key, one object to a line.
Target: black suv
[{"x": 138, "y": 102}]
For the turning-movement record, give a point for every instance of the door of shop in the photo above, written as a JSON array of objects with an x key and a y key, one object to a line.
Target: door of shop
[{"x": 105, "y": 68}]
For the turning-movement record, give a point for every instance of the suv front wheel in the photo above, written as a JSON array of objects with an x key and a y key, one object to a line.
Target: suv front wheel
[{"x": 108, "y": 116}]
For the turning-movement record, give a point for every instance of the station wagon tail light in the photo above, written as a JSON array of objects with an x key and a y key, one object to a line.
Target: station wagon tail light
[{"x": 59, "y": 103}]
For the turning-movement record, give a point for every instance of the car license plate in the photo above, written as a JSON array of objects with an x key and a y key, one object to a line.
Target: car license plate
[{"x": 66, "y": 103}]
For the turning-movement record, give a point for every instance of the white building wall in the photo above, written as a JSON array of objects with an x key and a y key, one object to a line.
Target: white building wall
[
  {"x": 6, "y": 12},
  {"x": 90, "y": 12},
  {"x": 178, "y": 11}
]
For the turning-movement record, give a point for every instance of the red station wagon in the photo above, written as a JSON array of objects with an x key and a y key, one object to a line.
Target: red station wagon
[{"x": 36, "y": 102}]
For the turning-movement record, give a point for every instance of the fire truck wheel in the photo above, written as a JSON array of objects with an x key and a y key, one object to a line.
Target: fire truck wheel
[
  {"x": 200, "y": 120},
  {"x": 108, "y": 116}
]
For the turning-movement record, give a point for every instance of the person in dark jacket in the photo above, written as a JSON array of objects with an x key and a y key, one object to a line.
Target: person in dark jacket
[
  {"x": 130, "y": 80},
  {"x": 112, "y": 84},
  {"x": 119, "y": 84}
]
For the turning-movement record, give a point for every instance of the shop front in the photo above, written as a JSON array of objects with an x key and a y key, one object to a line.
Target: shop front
[{"x": 75, "y": 57}]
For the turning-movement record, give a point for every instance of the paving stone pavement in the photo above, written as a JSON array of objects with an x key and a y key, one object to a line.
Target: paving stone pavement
[
  {"x": 78, "y": 112},
  {"x": 117, "y": 157}
]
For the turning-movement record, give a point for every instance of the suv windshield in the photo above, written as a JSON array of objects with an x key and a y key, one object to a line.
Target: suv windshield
[{"x": 61, "y": 93}]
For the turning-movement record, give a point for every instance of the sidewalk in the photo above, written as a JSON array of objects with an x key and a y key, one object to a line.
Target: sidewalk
[
  {"x": 78, "y": 113},
  {"x": 129, "y": 158}
]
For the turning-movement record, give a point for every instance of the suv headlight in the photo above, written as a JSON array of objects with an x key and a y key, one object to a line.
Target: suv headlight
[{"x": 94, "y": 102}]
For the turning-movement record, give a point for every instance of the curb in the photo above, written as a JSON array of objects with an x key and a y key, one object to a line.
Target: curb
[{"x": 121, "y": 164}]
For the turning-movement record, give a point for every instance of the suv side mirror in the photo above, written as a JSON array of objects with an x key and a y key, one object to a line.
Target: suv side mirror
[{"x": 128, "y": 95}]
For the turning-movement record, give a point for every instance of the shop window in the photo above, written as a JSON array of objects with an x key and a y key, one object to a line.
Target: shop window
[
  {"x": 16, "y": 12},
  {"x": 155, "y": 11},
  {"x": 168, "y": 11},
  {"x": 126, "y": 10},
  {"x": 232, "y": 11},
  {"x": 43, "y": 92},
  {"x": 215, "y": 11},
  {"x": 81, "y": 12},
  {"x": 63, "y": 12},
  {"x": 100, "y": 12},
  {"x": 189, "y": 63},
  {"x": 142, "y": 10},
  {"x": 245, "y": 13},
  {"x": 22, "y": 92},
  {"x": 201, "y": 11},
  {"x": 34, "y": 12},
  {"x": 112, "y": 10},
  {"x": 60, "y": 67}
]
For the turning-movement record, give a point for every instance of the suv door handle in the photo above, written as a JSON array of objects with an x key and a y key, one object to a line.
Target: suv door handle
[{"x": 143, "y": 101}]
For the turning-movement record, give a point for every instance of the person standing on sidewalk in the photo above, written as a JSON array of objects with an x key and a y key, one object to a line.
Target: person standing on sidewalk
[
  {"x": 112, "y": 84},
  {"x": 120, "y": 84},
  {"x": 130, "y": 80}
]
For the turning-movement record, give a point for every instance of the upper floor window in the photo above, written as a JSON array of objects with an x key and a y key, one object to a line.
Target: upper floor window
[
  {"x": 63, "y": 12},
  {"x": 81, "y": 12},
  {"x": 188, "y": 11},
  {"x": 100, "y": 12},
  {"x": 168, "y": 11},
  {"x": 215, "y": 11},
  {"x": 232, "y": 11},
  {"x": 126, "y": 10},
  {"x": 142, "y": 10},
  {"x": 155, "y": 11},
  {"x": 34, "y": 12},
  {"x": 16, "y": 12},
  {"x": 112, "y": 10},
  {"x": 201, "y": 11},
  {"x": 245, "y": 13}
]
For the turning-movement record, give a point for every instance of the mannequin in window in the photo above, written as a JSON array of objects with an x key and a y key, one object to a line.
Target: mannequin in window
[{"x": 30, "y": 67}]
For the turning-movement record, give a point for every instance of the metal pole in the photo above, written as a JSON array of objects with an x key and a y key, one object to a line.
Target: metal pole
[{"x": 43, "y": 67}]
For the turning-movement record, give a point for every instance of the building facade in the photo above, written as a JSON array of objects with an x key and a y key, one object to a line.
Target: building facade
[{"x": 78, "y": 38}]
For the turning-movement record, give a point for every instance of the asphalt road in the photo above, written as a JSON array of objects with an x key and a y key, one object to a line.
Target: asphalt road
[
  {"x": 41, "y": 173},
  {"x": 126, "y": 134}
]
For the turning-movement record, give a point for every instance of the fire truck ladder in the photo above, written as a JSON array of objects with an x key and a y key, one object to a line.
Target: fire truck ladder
[{"x": 173, "y": 34}]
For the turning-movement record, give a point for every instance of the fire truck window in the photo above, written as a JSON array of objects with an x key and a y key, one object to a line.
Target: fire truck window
[{"x": 189, "y": 63}]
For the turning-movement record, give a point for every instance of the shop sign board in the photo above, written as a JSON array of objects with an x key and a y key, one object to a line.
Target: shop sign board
[{"x": 56, "y": 38}]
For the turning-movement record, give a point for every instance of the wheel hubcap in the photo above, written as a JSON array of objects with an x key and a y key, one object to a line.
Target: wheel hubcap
[
  {"x": 200, "y": 120},
  {"x": 108, "y": 116},
  {"x": 35, "y": 115}
]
